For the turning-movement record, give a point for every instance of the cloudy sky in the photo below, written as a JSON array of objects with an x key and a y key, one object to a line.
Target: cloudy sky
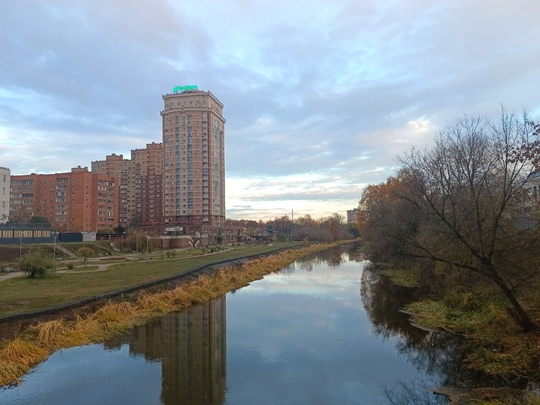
[{"x": 320, "y": 96}]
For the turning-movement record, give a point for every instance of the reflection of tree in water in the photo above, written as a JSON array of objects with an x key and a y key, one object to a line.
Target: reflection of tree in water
[
  {"x": 412, "y": 393},
  {"x": 438, "y": 354},
  {"x": 333, "y": 257}
]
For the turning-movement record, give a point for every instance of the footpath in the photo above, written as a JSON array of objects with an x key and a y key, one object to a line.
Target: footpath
[
  {"x": 94, "y": 262},
  {"x": 100, "y": 267}
]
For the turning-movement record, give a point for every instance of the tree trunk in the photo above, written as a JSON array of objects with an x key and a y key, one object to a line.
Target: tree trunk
[{"x": 520, "y": 315}]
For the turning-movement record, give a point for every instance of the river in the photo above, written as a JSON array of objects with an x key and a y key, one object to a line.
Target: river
[{"x": 323, "y": 330}]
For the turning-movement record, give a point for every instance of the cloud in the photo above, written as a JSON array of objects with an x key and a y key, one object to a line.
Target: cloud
[{"x": 319, "y": 97}]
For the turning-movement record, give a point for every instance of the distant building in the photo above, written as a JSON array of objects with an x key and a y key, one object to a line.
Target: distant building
[
  {"x": 533, "y": 185},
  {"x": 194, "y": 162},
  {"x": 77, "y": 201},
  {"x": 352, "y": 215},
  {"x": 5, "y": 184}
]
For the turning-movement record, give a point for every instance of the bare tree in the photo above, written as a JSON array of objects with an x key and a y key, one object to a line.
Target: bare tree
[{"x": 468, "y": 195}]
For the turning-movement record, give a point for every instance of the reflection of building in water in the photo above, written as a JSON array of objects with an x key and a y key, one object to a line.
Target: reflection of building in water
[
  {"x": 192, "y": 346},
  {"x": 194, "y": 355}
]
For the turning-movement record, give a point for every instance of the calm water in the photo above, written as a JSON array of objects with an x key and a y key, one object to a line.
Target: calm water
[{"x": 321, "y": 331}]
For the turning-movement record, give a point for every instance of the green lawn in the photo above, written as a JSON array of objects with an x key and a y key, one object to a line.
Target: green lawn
[{"x": 22, "y": 294}]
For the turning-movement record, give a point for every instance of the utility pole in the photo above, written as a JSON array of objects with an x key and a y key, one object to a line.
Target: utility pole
[{"x": 292, "y": 224}]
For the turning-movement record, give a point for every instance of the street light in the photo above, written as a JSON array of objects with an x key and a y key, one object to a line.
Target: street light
[
  {"x": 54, "y": 234},
  {"x": 145, "y": 234}
]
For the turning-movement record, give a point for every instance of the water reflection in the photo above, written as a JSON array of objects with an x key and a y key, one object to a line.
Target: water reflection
[
  {"x": 191, "y": 346},
  {"x": 435, "y": 354},
  {"x": 323, "y": 330},
  {"x": 332, "y": 257},
  {"x": 432, "y": 353}
]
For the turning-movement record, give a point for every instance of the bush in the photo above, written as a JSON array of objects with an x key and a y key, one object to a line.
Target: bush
[
  {"x": 36, "y": 264},
  {"x": 85, "y": 252},
  {"x": 70, "y": 265}
]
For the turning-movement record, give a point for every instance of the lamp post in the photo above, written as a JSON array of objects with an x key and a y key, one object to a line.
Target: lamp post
[
  {"x": 145, "y": 234},
  {"x": 54, "y": 234}
]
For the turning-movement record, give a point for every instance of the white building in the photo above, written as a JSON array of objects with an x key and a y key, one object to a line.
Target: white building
[{"x": 5, "y": 176}]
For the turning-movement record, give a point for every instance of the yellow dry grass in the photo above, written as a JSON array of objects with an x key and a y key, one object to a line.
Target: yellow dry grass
[{"x": 36, "y": 343}]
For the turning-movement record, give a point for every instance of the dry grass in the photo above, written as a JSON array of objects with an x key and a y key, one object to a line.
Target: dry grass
[
  {"x": 36, "y": 343},
  {"x": 496, "y": 345},
  {"x": 17, "y": 357}
]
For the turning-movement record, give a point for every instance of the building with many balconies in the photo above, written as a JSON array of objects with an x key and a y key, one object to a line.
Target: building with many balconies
[
  {"x": 77, "y": 201},
  {"x": 194, "y": 161}
]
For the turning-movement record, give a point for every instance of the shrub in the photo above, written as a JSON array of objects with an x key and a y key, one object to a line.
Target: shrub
[
  {"x": 36, "y": 264},
  {"x": 85, "y": 252},
  {"x": 70, "y": 265}
]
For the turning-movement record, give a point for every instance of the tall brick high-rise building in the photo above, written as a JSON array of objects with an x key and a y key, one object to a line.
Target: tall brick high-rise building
[{"x": 194, "y": 161}]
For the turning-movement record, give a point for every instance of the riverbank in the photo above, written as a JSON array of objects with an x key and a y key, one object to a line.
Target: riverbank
[
  {"x": 21, "y": 297},
  {"x": 494, "y": 343},
  {"x": 36, "y": 342}
]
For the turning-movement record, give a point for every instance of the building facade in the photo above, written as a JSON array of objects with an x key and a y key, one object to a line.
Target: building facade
[
  {"x": 140, "y": 179},
  {"x": 194, "y": 161},
  {"x": 77, "y": 201},
  {"x": 122, "y": 170},
  {"x": 5, "y": 185},
  {"x": 148, "y": 164},
  {"x": 352, "y": 216}
]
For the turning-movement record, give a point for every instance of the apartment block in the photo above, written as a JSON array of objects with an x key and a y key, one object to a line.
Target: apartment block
[
  {"x": 77, "y": 201},
  {"x": 5, "y": 184},
  {"x": 194, "y": 161},
  {"x": 352, "y": 215},
  {"x": 124, "y": 173},
  {"x": 141, "y": 186},
  {"x": 149, "y": 187}
]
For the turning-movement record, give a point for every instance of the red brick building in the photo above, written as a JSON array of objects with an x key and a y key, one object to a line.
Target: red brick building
[
  {"x": 77, "y": 201},
  {"x": 141, "y": 187}
]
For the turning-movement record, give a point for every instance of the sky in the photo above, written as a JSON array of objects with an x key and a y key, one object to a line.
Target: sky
[{"x": 320, "y": 96}]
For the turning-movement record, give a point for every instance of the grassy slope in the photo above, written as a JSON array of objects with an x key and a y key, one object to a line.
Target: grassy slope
[{"x": 21, "y": 294}]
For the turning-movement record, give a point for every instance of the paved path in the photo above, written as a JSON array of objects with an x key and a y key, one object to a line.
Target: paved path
[
  {"x": 94, "y": 262},
  {"x": 100, "y": 267},
  {"x": 7, "y": 276}
]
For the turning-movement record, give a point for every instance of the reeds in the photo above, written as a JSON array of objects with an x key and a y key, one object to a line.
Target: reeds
[
  {"x": 16, "y": 358},
  {"x": 37, "y": 342}
]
